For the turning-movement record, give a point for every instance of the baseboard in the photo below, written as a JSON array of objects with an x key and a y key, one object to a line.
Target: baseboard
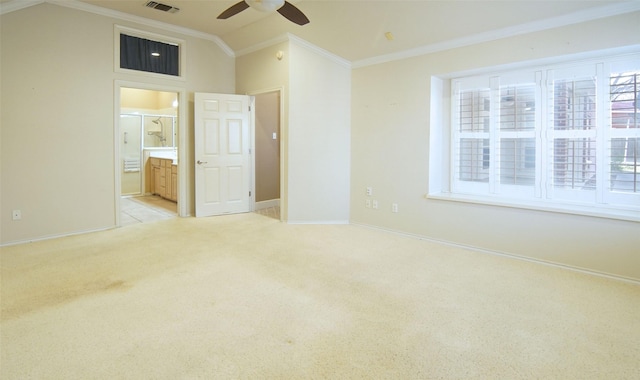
[
  {"x": 592, "y": 272},
  {"x": 341, "y": 222},
  {"x": 50, "y": 237}
]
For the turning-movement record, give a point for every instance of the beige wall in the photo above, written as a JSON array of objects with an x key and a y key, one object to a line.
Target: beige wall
[
  {"x": 389, "y": 152},
  {"x": 57, "y": 123}
]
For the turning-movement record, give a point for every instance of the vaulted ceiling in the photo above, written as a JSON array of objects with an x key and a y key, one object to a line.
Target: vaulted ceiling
[{"x": 355, "y": 29}]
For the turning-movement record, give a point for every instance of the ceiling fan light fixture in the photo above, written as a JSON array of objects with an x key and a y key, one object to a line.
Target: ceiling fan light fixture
[
  {"x": 285, "y": 8},
  {"x": 265, "y": 5}
]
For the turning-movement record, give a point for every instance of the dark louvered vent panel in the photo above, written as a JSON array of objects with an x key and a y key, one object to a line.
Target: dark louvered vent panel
[{"x": 162, "y": 7}]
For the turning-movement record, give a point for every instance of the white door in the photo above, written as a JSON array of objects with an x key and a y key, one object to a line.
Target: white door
[{"x": 222, "y": 154}]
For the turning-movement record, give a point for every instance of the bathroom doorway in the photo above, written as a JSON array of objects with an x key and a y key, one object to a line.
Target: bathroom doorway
[{"x": 148, "y": 128}]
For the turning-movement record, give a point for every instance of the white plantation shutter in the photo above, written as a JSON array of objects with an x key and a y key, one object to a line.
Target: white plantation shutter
[
  {"x": 572, "y": 146},
  {"x": 516, "y": 143},
  {"x": 471, "y": 136},
  {"x": 565, "y": 135},
  {"x": 494, "y": 135},
  {"x": 623, "y": 148}
]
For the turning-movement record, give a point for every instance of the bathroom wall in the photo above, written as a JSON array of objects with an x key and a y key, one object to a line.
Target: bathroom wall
[
  {"x": 143, "y": 99},
  {"x": 130, "y": 154}
]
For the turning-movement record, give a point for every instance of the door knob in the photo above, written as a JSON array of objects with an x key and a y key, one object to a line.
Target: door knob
[{"x": 202, "y": 162}]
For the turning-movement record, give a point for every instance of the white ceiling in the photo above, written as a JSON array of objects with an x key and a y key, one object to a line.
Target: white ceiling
[{"x": 355, "y": 29}]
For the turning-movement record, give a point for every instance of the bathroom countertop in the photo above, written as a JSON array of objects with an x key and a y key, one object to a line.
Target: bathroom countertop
[{"x": 171, "y": 155}]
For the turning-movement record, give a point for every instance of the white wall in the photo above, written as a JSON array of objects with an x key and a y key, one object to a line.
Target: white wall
[
  {"x": 57, "y": 122},
  {"x": 319, "y": 137},
  {"x": 390, "y": 140}
]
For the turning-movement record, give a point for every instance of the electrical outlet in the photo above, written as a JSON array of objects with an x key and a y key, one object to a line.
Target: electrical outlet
[
  {"x": 16, "y": 215},
  {"x": 375, "y": 205},
  {"x": 368, "y": 203},
  {"x": 369, "y": 191},
  {"x": 394, "y": 207}
]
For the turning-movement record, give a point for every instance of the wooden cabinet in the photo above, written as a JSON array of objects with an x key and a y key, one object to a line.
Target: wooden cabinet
[
  {"x": 174, "y": 182},
  {"x": 152, "y": 175},
  {"x": 164, "y": 178}
]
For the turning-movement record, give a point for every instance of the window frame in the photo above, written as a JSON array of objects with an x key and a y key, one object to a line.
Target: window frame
[{"x": 442, "y": 165}]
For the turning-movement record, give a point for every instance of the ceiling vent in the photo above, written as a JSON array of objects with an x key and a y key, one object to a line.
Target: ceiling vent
[{"x": 161, "y": 7}]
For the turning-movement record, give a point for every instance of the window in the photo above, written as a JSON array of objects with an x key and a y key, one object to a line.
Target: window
[
  {"x": 143, "y": 53},
  {"x": 624, "y": 150},
  {"x": 147, "y": 55},
  {"x": 563, "y": 137}
]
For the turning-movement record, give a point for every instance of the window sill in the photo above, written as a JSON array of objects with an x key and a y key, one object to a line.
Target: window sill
[{"x": 631, "y": 214}]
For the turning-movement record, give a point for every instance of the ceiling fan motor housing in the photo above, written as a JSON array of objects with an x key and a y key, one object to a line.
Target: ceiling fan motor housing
[
  {"x": 265, "y": 5},
  {"x": 285, "y": 8}
]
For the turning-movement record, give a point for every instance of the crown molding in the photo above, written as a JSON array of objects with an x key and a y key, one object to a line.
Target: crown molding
[
  {"x": 15, "y": 5},
  {"x": 536, "y": 26},
  {"x": 593, "y": 56}
]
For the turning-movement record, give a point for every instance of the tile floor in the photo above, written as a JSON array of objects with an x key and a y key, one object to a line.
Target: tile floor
[
  {"x": 146, "y": 209},
  {"x": 272, "y": 212},
  {"x": 149, "y": 208}
]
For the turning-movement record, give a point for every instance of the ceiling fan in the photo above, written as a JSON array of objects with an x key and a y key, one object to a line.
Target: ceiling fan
[{"x": 285, "y": 8}]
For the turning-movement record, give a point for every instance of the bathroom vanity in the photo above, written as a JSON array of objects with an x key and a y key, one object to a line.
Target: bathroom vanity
[{"x": 163, "y": 173}]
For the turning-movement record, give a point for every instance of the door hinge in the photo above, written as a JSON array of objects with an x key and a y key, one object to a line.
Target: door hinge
[{"x": 249, "y": 193}]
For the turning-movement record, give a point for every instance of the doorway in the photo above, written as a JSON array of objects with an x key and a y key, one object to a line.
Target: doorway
[
  {"x": 148, "y": 133},
  {"x": 267, "y": 153}
]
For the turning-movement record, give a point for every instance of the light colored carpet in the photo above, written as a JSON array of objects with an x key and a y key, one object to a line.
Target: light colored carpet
[{"x": 247, "y": 297}]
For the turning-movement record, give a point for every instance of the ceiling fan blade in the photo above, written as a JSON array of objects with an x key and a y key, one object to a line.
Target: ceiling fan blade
[
  {"x": 233, "y": 10},
  {"x": 293, "y": 14}
]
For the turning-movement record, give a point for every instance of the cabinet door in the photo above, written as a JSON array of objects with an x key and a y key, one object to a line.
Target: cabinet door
[
  {"x": 150, "y": 175},
  {"x": 174, "y": 187},
  {"x": 162, "y": 191},
  {"x": 156, "y": 180},
  {"x": 168, "y": 183}
]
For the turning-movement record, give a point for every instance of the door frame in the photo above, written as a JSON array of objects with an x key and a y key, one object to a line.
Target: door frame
[
  {"x": 181, "y": 146},
  {"x": 283, "y": 144}
]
